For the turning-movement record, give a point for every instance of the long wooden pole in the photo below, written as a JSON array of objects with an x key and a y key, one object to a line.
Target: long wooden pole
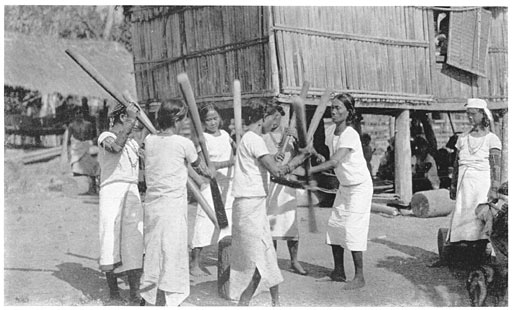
[
  {"x": 125, "y": 99},
  {"x": 319, "y": 114},
  {"x": 109, "y": 88},
  {"x": 300, "y": 115},
  {"x": 303, "y": 95},
  {"x": 188, "y": 95},
  {"x": 202, "y": 201},
  {"x": 237, "y": 107}
]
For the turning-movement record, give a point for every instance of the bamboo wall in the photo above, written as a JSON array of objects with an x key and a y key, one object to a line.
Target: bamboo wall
[
  {"x": 214, "y": 45},
  {"x": 453, "y": 85},
  {"x": 384, "y": 55},
  {"x": 379, "y": 51}
]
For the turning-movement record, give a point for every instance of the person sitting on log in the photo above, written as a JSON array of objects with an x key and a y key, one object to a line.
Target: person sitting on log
[{"x": 424, "y": 168}]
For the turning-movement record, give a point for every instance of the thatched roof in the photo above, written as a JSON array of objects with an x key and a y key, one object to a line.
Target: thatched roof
[{"x": 40, "y": 63}]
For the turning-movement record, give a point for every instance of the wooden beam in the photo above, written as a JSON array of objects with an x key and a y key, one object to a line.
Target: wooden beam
[
  {"x": 274, "y": 76},
  {"x": 403, "y": 173},
  {"x": 504, "y": 149}
]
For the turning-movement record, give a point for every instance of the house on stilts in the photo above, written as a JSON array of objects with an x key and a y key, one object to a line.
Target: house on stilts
[{"x": 396, "y": 61}]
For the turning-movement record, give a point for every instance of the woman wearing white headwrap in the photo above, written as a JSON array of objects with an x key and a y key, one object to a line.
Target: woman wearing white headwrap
[{"x": 476, "y": 174}]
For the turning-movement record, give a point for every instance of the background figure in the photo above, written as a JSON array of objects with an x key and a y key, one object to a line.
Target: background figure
[
  {"x": 165, "y": 279},
  {"x": 220, "y": 148},
  {"x": 350, "y": 218},
  {"x": 444, "y": 168},
  {"x": 476, "y": 176},
  {"x": 387, "y": 164},
  {"x": 424, "y": 168},
  {"x": 366, "y": 140},
  {"x": 120, "y": 213},
  {"x": 82, "y": 152},
  {"x": 282, "y": 201}
]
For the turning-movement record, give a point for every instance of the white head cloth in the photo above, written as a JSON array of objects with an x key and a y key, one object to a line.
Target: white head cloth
[{"x": 477, "y": 103}]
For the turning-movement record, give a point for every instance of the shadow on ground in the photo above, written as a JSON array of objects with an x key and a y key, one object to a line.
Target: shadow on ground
[
  {"x": 90, "y": 282},
  {"x": 209, "y": 259},
  {"x": 427, "y": 280}
]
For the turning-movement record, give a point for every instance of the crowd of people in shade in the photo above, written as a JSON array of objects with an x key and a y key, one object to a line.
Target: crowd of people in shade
[{"x": 147, "y": 239}]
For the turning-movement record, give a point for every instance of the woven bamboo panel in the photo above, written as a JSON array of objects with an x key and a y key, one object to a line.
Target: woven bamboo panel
[
  {"x": 214, "y": 45},
  {"x": 364, "y": 48},
  {"x": 380, "y": 53}
]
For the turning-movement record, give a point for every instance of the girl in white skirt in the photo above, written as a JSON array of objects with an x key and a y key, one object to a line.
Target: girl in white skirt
[{"x": 220, "y": 148}]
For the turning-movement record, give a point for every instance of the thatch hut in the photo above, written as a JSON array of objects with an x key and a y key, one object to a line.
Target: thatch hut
[
  {"x": 394, "y": 60},
  {"x": 40, "y": 64}
]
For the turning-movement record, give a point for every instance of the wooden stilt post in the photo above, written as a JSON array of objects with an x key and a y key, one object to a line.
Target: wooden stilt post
[
  {"x": 391, "y": 122},
  {"x": 504, "y": 148},
  {"x": 403, "y": 173}
]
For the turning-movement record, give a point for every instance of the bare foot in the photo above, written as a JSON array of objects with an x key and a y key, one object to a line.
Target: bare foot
[
  {"x": 338, "y": 276},
  {"x": 196, "y": 271},
  {"x": 355, "y": 284},
  {"x": 296, "y": 267}
]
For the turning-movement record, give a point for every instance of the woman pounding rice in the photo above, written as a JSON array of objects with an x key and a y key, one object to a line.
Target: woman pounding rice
[
  {"x": 166, "y": 268},
  {"x": 282, "y": 200},
  {"x": 120, "y": 210},
  {"x": 220, "y": 148},
  {"x": 253, "y": 257},
  {"x": 350, "y": 218}
]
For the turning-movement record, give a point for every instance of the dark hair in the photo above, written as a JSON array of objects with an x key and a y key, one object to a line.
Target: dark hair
[
  {"x": 171, "y": 111},
  {"x": 255, "y": 110},
  {"x": 349, "y": 103},
  {"x": 486, "y": 122},
  {"x": 366, "y": 138},
  {"x": 116, "y": 112},
  {"x": 207, "y": 107},
  {"x": 273, "y": 107}
]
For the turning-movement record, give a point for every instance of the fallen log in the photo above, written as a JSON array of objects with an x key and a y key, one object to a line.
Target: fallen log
[
  {"x": 42, "y": 155},
  {"x": 432, "y": 203},
  {"x": 378, "y": 208}
]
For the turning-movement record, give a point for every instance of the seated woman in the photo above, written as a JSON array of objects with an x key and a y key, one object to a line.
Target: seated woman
[{"x": 424, "y": 168}]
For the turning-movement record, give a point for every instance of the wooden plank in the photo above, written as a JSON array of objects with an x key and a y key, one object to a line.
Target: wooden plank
[
  {"x": 274, "y": 75},
  {"x": 504, "y": 149}
]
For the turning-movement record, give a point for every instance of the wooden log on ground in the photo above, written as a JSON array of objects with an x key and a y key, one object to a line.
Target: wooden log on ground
[
  {"x": 42, "y": 155},
  {"x": 432, "y": 203},
  {"x": 379, "y": 208},
  {"x": 223, "y": 270},
  {"x": 504, "y": 149}
]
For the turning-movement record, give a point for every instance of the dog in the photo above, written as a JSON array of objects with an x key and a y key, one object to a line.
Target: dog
[{"x": 487, "y": 281}]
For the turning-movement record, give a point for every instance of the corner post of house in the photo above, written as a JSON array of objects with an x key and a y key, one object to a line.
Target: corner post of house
[
  {"x": 403, "y": 172},
  {"x": 274, "y": 68},
  {"x": 504, "y": 148}
]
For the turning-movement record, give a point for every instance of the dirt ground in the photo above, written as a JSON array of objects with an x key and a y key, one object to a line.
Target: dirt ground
[{"x": 51, "y": 251}]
